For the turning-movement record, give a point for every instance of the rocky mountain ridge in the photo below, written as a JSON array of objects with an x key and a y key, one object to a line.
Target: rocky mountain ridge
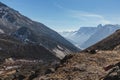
[{"x": 15, "y": 24}]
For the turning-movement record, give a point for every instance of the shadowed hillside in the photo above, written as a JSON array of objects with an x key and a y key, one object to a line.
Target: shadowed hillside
[{"x": 10, "y": 47}]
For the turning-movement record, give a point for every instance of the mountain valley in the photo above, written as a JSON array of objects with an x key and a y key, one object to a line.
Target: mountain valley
[{"x": 29, "y": 50}]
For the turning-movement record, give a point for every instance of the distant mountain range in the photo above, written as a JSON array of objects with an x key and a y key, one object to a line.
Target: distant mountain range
[
  {"x": 87, "y": 36},
  {"x": 32, "y": 33}
]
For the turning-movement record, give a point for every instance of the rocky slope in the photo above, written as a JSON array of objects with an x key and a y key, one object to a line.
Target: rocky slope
[
  {"x": 11, "y": 21},
  {"x": 23, "y": 60},
  {"x": 84, "y": 66}
]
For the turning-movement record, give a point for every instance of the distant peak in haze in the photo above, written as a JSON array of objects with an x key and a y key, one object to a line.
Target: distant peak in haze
[
  {"x": 100, "y": 25},
  {"x": 108, "y": 25},
  {"x": 112, "y": 25}
]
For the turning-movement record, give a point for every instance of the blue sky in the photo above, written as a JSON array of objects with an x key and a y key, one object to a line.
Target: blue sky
[{"x": 69, "y": 15}]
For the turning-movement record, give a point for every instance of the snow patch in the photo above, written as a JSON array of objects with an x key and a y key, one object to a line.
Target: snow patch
[
  {"x": 61, "y": 52},
  {"x": 1, "y": 31}
]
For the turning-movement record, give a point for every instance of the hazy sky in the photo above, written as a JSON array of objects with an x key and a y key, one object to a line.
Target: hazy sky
[{"x": 63, "y": 15}]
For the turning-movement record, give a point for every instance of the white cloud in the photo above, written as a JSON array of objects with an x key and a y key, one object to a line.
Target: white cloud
[
  {"x": 87, "y": 17},
  {"x": 83, "y": 16}
]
